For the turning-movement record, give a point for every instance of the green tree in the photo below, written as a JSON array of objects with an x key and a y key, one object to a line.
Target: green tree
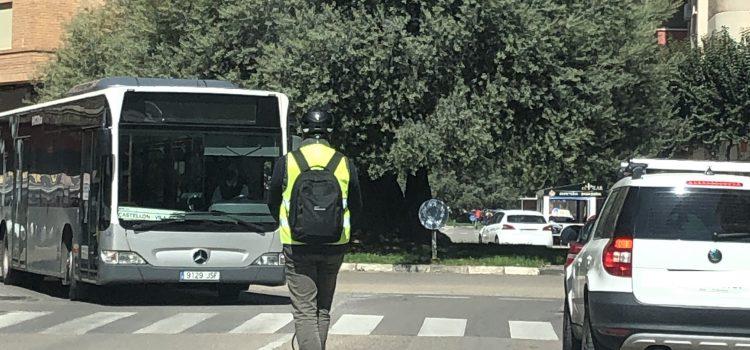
[
  {"x": 712, "y": 107},
  {"x": 208, "y": 39},
  {"x": 485, "y": 100}
]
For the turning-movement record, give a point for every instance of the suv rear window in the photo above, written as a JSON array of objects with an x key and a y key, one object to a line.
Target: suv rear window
[
  {"x": 526, "y": 219},
  {"x": 695, "y": 215}
]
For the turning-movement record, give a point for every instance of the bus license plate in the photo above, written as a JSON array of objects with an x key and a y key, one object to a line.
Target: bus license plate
[{"x": 202, "y": 276}]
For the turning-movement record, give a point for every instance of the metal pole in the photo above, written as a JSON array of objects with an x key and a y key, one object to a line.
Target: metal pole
[{"x": 434, "y": 246}]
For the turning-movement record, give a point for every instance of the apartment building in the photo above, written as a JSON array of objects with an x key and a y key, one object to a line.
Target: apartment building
[{"x": 709, "y": 16}]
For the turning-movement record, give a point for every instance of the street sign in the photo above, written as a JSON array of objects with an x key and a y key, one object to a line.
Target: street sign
[{"x": 433, "y": 214}]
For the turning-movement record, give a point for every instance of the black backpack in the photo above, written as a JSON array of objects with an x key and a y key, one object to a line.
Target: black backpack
[{"x": 316, "y": 212}]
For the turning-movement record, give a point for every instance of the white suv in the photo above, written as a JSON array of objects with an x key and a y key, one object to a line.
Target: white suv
[{"x": 668, "y": 266}]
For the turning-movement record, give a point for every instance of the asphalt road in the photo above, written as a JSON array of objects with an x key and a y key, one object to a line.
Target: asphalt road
[
  {"x": 376, "y": 310},
  {"x": 462, "y": 234}
]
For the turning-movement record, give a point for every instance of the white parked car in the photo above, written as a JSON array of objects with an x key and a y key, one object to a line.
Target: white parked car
[
  {"x": 520, "y": 227},
  {"x": 668, "y": 264}
]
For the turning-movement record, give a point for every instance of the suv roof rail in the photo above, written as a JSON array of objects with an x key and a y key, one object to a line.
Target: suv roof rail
[
  {"x": 639, "y": 166},
  {"x": 135, "y": 81}
]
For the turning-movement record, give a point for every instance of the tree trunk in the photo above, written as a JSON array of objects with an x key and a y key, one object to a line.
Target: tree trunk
[
  {"x": 729, "y": 150},
  {"x": 417, "y": 191},
  {"x": 383, "y": 206}
]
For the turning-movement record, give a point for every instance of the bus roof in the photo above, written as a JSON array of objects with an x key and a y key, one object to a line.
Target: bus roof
[
  {"x": 104, "y": 83},
  {"x": 145, "y": 88}
]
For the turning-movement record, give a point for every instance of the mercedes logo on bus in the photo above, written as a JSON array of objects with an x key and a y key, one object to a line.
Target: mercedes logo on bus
[
  {"x": 714, "y": 256},
  {"x": 200, "y": 256}
]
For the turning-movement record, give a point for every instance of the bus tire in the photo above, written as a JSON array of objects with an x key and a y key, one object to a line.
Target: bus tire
[
  {"x": 10, "y": 276},
  {"x": 76, "y": 289}
]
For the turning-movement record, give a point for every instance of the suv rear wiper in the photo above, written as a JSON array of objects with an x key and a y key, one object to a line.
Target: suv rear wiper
[{"x": 727, "y": 236}]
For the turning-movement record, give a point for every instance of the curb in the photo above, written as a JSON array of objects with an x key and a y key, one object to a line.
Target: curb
[{"x": 467, "y": 270}]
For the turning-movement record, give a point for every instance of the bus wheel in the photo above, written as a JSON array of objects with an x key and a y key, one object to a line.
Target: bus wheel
[
  {"x": 10, "y": 276},
  {"x": 76, "y": 289},
  {"x": 231, "y": 292}
]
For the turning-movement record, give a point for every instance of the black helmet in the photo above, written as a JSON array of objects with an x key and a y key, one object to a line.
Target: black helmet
[{"x": 317, "y": 121}]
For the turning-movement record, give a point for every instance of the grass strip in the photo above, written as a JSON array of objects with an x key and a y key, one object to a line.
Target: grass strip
[{"x": 461, "y": 255}]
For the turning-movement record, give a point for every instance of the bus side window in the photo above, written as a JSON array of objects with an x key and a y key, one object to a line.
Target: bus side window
[{"x": 6, "y": 187}]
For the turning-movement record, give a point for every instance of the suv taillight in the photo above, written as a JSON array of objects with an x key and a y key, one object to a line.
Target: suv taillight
[
  {"x": 618, "y": 257},
  {"x": 508, "y": 227},
  {"x": 547, "y": 228}
]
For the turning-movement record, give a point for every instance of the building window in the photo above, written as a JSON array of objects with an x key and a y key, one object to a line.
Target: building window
[{"x": 6, "y": 25}]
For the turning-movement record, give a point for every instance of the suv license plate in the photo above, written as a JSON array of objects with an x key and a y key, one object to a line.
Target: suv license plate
[{"x": 199, "y": 276}]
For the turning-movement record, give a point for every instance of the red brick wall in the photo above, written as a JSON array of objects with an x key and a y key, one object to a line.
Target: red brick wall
[
  {"x": 665, "y": 35},
  {"x": 38, "y": 26}
]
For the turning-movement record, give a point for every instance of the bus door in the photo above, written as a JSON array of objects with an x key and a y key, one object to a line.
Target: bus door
[
  {"x": 93, "y": 199},
  {"x": 20, "y": 205}
]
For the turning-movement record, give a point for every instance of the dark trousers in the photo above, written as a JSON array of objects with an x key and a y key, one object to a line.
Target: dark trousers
[{"x": 311, "y": 278}]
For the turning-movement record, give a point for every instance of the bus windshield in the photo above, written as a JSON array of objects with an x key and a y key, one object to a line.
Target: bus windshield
[{"x": 168, "y": 174}]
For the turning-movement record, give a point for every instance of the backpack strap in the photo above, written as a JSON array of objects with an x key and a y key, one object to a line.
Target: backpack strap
[
  {"x": 301, "y": 161},
  {"x": 334, "y": 162}
]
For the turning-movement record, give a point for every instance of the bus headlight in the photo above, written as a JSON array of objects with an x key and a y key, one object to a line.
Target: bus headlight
[
  {"x": 121, "y": 258},
  {"x": 270, "y": 259}
]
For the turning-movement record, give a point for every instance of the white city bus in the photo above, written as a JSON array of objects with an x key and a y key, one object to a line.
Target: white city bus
[{"x": 134, "y": 180}]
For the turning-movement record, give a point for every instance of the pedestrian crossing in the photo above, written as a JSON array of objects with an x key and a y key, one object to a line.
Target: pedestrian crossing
[
  {"x": 442, "y": 327},
  {"x": 356, "y": 324},
  {"x": 83, "y": 325},
  {"x": 175, "y": 324},
  {"x": 15, "y": 317},
  {"x": 263, "y": 323}
]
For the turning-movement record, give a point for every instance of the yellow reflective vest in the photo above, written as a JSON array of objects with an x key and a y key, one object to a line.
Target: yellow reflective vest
[{"x": 317, "y": 156}]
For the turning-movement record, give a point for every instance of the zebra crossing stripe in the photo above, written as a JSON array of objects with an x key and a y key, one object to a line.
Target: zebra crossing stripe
[
  {"x": 532, "y": 330},
  {"x": 443, "y": 327},
  {"x": 265, "y": 323},
  {"x": 175, "y": 324},
  {"x": 356, "y": 324},
  {"x": 83, "y": 325},
  {"x": 16, "y": 317},
  {"x": 269, "y": 323},
  {"x": 278, "y": 343}
]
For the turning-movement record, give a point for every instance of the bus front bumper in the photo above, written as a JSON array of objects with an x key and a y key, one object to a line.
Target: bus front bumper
[{"x": 128, "y": 274}]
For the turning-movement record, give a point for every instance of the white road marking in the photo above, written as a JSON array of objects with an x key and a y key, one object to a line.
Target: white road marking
[
  {"x": 277, "y": 343},
  {"x": 527, "y": 299},
  {"x": 175, "y": 324},
  {"x": 442, "y": 297},
  {"x": 356, "y": 324},
  {"x": 532, "y": 330},
  {"x": 16, "y": 317},
  {"x": 265, "y": 323},
  {"x": 83, "y": 325},
  {"x": 443, "y": 327}
]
